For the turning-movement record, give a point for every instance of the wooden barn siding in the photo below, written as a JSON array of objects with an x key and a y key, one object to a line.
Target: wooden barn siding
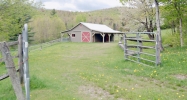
[
  {"x": 78, "y": 33},
  {"x": 77, "y": 37}
]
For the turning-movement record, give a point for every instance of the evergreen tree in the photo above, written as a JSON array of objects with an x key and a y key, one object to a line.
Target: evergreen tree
[
  {"x": 53, "y": 12},
  {"x": 13, "y": 15}
]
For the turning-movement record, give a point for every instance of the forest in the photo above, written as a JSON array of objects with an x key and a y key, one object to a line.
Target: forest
[{"x": 139, "y": 16}]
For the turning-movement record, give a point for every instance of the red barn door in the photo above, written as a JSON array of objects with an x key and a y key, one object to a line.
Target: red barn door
[{"x": 85, "y": 36}]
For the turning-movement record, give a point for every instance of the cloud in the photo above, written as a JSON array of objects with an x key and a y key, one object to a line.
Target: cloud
[{"x": 79, "y": 5}]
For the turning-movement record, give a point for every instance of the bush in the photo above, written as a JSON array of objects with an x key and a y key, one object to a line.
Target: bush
[
  {"x": 172, "y": 40},
  {"x": 165, "y": 27}
]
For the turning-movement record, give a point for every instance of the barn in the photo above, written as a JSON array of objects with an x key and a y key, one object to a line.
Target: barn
[{"x": 89, "y": 32}]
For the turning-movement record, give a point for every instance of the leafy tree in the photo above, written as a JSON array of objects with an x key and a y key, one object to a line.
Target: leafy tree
[
  {"x": 80, "y": 18},
  {"x": 178, "y": 8},
  {"x": 13, "y": 15},
  {"x": 53, "y": 12},
  {"x": 122, "y": 23},
  {"x": 46, "y": 28},
  {"x": 114, "y": 26}
]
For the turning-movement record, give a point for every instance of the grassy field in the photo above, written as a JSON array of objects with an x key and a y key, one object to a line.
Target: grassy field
[{"x": 95, "y": 71}]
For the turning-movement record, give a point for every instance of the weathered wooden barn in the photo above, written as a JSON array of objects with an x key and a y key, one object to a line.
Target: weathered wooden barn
[{"x": 89, "y": 32}]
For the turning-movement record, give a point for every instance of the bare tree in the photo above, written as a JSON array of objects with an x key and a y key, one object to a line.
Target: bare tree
[{"x": 142, "y": 13}]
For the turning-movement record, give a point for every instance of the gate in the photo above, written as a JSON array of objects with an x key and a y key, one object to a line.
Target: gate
[{"x": 138, "y": 48}]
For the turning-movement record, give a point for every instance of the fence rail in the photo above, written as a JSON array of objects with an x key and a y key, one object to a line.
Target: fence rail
[{"x": 4, "y": 76}]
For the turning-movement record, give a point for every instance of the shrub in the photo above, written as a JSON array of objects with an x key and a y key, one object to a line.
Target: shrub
[
  {"x": 172, "y": 40},
  {"x": 36, "y": 83}
]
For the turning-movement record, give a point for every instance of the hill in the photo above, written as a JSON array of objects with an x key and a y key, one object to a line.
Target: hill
[{"x": 111, "y": 17}]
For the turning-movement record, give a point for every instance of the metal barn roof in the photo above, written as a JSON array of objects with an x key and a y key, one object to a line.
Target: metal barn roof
[
  {"x": 96, "y": 27},
  {"x": 99, "y": 27}
]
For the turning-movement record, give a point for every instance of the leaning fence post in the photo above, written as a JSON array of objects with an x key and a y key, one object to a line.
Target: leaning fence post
[
  {"x": 20, "y": 61},
  {"x": 12, "y": 71}
]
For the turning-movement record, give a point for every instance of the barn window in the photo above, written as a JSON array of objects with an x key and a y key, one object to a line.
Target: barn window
[{"x": 73, "y": 35}]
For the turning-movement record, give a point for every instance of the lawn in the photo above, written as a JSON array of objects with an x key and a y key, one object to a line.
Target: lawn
[{"x": 95, "y": 71}]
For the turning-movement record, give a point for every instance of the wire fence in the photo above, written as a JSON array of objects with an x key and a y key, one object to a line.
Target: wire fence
[{"x": 47, "y": 44}]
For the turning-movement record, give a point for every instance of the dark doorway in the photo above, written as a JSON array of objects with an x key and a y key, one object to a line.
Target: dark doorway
[
  {"x": 98, "y": 38},
  {"x": 112, "y": 38},
  {"x": 106, "y": 38}
]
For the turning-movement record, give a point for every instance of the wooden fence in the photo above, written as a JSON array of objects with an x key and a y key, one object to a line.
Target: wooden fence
[
  {"x": 135, "y": 45},
  {"x": 47, "y": 44},
  {"x": 22, "y": 63},
  {"x": 19, "y": 56},
  {"x": 10, "y": 66}
]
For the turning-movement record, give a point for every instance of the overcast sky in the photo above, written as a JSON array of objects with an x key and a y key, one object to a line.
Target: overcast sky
[{"x": 79, "y": 5}]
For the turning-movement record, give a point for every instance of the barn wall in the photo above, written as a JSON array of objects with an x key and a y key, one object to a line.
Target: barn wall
[
  {"x": 78, "y": 33},
  {"x": 77, "y": 37}
]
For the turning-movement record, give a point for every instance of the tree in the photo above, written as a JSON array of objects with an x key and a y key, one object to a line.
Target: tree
[
  {"x": 80, "y": 18},
  {"x": 147, "y": 8},
  {"x": 142, "y": 12},
  {"x": 114, "y": 26},
  {"x": 174, "y": 13},
  {"x": 53, "y": 12},
  {"x": 158, "y": 25},
  {"x": 180, "y": 10},
  {"x": 170, "y": 18},
  {"x": 13, "y": 15},
  {"x": 46, "y": 28}
]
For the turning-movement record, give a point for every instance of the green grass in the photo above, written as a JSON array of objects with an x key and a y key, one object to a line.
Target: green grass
[{"x": 91, "y": 71}]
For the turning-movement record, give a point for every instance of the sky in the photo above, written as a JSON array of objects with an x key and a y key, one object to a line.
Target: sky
[{"x": 79, "y": 5}]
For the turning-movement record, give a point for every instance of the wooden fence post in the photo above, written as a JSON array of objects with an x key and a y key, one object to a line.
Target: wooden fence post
[
  {"x": 20, "y": 61},
  {"x": 12, "y": 71},
  {"x": 158, "y": 61},
  {"x": 125, "y": 47}
]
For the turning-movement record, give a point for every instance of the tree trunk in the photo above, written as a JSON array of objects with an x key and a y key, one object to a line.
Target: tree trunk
[
  {"x": 151, "y": 36},
  {"x": 149, "y": 29},
  {"x": 158, "y": 25},
  {"x": 180, "y": 29},
  {"x": 174, "y": 31}
]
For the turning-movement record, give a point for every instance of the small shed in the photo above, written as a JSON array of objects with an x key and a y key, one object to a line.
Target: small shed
[{"x": 89, "y": 32}]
